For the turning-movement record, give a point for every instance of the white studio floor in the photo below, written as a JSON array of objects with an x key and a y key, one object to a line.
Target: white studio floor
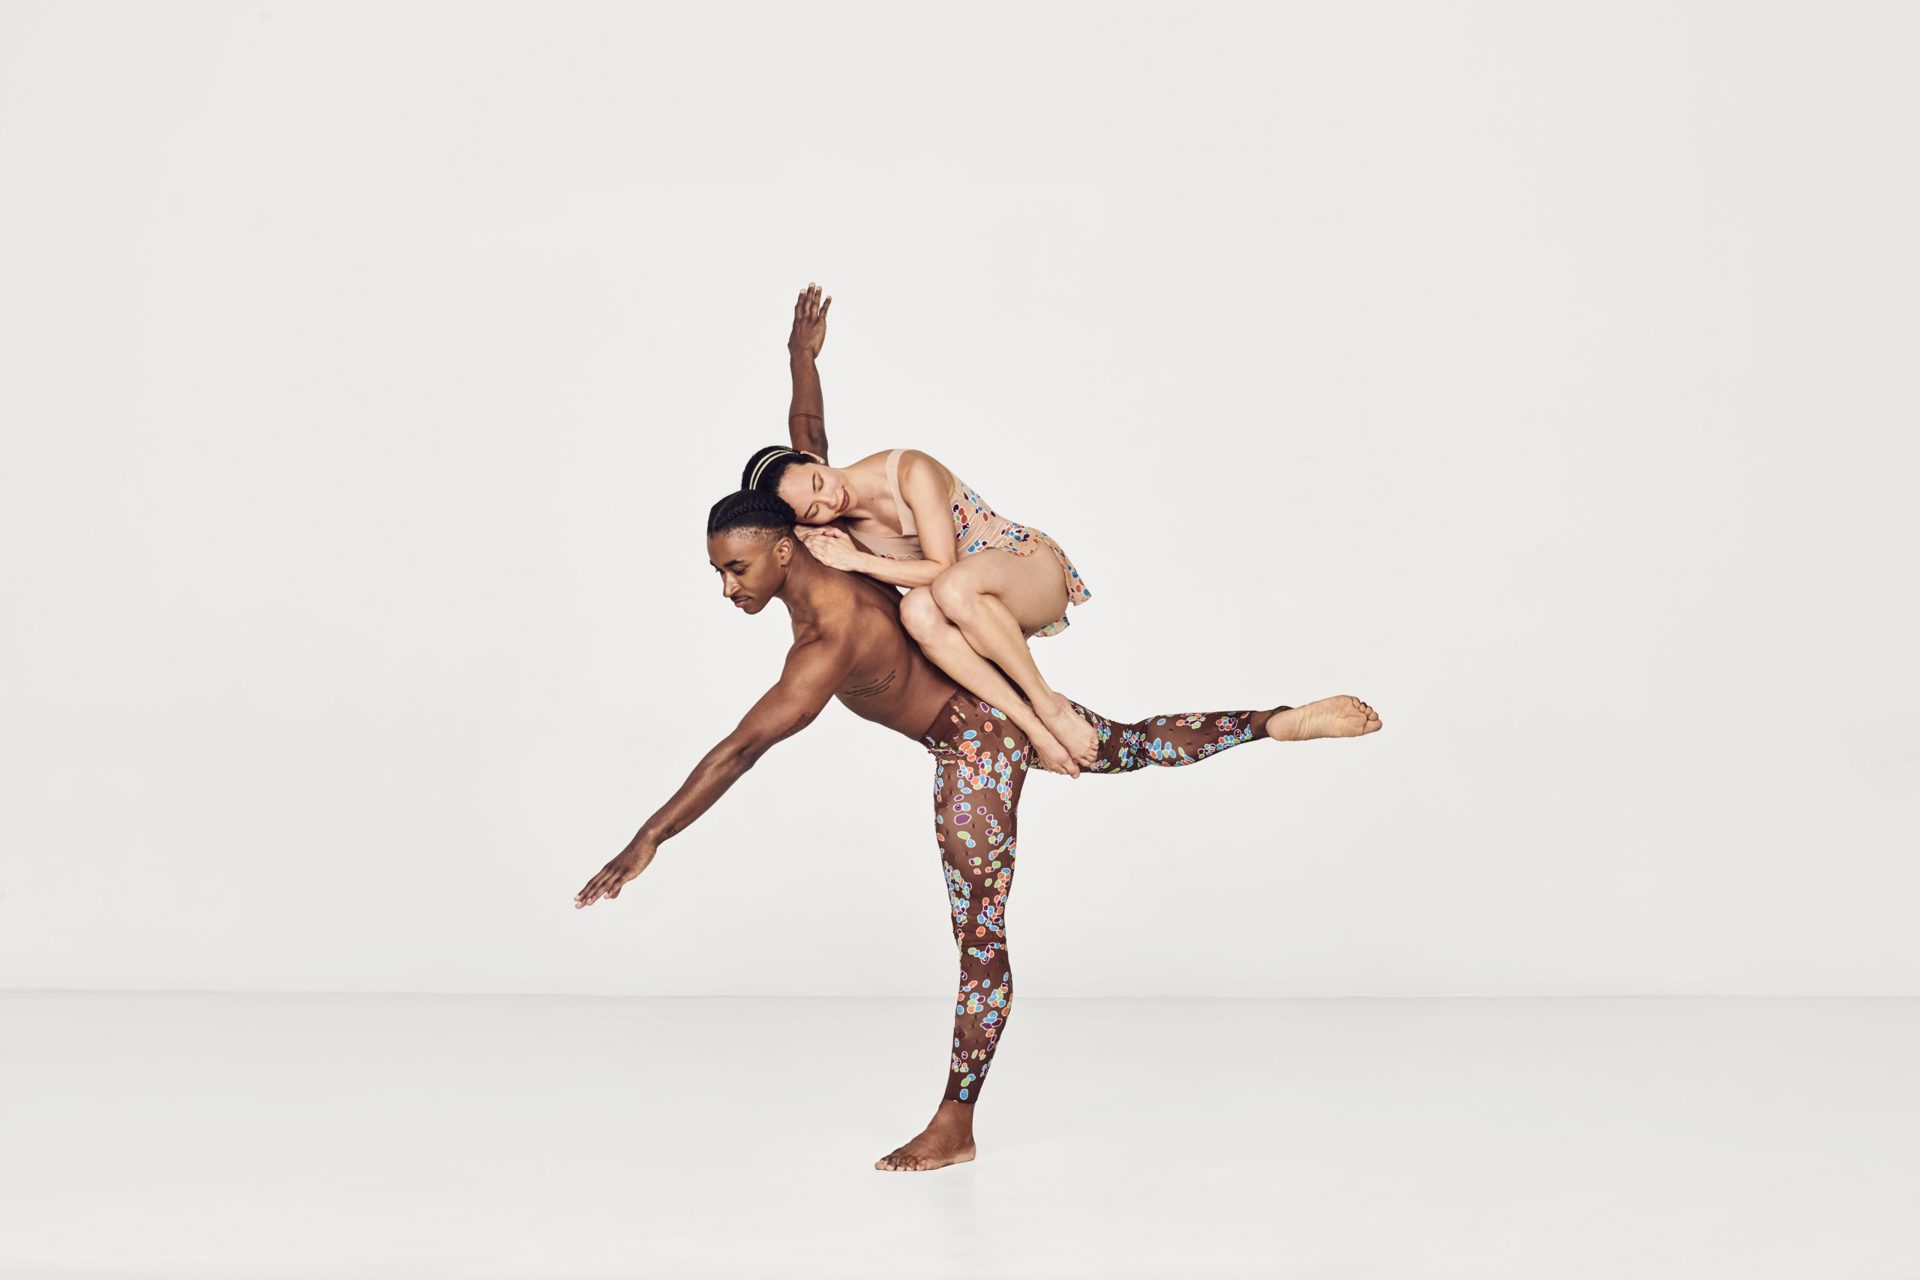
[{"x": 267, "y": 1136}]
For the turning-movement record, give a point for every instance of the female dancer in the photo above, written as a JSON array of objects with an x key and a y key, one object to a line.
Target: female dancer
[{"x": 974, "y": 599}]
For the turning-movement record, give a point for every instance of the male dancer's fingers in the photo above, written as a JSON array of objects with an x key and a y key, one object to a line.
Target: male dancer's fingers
[
  {"x": 825, "y": 303},
  {"x": 595, "y": 887}
]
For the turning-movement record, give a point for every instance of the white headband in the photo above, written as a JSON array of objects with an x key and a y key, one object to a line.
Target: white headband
[{"x": 753, "y": 482}]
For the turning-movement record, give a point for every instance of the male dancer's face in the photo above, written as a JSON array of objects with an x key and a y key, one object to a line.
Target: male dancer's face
[{"x": 752, "y": 564}]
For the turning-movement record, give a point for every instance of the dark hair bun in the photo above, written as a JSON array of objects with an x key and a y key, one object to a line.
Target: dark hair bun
[{"x": 765, "y": 468}]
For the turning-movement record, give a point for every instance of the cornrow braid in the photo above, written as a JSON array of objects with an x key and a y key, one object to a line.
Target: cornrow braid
[{"x": 750, "y": 509}]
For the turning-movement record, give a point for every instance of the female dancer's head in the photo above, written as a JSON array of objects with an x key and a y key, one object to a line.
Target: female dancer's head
[{"x": 817, "y": 492}]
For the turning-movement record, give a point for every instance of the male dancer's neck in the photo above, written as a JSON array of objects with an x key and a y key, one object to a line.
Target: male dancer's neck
[{"x": 807, "y": 579}]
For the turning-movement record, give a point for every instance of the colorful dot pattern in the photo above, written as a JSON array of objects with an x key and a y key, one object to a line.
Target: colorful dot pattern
[
  {"x": 979, "y": 767},
  {"x": 977, "y": 528}
]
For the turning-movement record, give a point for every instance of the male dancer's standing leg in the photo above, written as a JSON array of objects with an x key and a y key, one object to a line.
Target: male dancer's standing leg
[{"x": 980, "y": 765}]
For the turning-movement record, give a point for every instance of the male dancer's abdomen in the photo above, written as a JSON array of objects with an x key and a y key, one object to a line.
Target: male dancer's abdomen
[{"x": 896, "y": 685}]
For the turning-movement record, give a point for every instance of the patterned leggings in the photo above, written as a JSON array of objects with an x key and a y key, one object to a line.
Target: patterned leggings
[{"x": 979, "y": 767}]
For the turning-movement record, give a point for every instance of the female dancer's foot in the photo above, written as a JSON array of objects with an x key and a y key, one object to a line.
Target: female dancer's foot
[
  {"x": 1341, "y": 716},
  {"x": 1048, "y": 754},
  {"x": 947, "y": 1140},
  {"x": 1079, "y": 737}
]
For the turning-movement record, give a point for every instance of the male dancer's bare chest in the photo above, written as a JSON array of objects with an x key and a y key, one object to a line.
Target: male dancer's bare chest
[{"x": 891, "y": 682}]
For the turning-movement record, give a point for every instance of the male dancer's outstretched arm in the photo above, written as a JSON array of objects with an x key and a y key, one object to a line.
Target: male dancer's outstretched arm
[
  {"x": 806, "y": 416},
  {"x": 815, "y": 669}
]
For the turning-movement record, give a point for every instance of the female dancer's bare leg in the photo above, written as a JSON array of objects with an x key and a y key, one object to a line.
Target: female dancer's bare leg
[
  {"x": 998, "y": 599},
  {"x": 948, "y": 649}
]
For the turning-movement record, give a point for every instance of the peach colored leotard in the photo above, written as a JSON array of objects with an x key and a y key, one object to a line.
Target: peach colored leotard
[{"x": 976, "y": 527}]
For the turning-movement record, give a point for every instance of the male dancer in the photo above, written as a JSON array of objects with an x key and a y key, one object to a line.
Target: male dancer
[{"x": 848, "y": 643}]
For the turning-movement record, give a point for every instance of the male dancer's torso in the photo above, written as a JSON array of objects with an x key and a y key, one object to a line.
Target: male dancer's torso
[{"x": 889, "y": 682}]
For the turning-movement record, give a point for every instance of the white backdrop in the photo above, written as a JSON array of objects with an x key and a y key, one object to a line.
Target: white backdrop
[{"x": 1543, "y": 376}]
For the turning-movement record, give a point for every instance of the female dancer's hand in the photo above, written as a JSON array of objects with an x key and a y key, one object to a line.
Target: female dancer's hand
[
  {"x": 632, "y": 861},
  {"x": 832, "y": 547},
  {"x": 809, "y": 323}
]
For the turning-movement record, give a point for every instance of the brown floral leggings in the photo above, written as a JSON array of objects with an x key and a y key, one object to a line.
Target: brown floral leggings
[{"x": 979, "y": 766}]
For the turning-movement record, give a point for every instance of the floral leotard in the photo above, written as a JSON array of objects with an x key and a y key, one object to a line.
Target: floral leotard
[{"x": 976, "y": 527}]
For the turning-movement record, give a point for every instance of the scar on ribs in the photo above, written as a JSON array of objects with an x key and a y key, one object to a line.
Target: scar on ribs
[{"x": 878, "y": 686}]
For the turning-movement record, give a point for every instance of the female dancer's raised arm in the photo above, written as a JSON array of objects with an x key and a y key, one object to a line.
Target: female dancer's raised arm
[{"x": 806, "y": 417}]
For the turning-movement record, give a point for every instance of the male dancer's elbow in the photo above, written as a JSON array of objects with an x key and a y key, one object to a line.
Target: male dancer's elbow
[
  {"x": 740, "y": 753},
  {"x": 737, "y": 755},
  {"x": 742, "y": 750}
]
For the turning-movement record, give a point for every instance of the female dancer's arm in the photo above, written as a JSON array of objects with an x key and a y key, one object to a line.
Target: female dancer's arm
[
  {"x": 923, "y": 487},
  {"x": 806, "y": 416}
]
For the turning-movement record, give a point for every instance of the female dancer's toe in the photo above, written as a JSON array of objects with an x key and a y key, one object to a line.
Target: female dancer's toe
[{"x": 1079, "y": 738}]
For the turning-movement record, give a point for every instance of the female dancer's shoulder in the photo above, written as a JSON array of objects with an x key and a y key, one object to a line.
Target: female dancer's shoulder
[
  {"x": 918, "y": 463},
  {"x": 915, "y": 463}
]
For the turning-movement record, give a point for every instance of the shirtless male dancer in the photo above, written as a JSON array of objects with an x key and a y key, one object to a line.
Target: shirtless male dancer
[{"x": 848, "y": 644}]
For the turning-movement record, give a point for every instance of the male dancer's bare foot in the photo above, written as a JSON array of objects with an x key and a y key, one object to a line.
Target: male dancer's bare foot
[
  {"x": 947, "y": 1140},
  {"x": 1341, "y": 716},
  {"x": 1079, "y": 737}
]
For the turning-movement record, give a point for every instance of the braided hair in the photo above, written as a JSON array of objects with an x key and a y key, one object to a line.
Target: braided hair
[
  {"x": 767, "y": 466},
  {"x": 750, "y": 509}
]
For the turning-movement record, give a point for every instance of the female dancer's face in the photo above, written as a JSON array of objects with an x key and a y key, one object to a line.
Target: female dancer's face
[{"x": 818, "y": 492}]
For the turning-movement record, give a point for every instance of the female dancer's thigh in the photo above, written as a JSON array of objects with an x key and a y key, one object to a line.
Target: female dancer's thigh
[{"x": 1033, "y": 587}]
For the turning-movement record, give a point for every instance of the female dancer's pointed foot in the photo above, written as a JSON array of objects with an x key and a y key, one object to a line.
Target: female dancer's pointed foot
[
  {"x": 1341, "y": 716},
  {"x": 1079, "y": 737},
  {"x": 935, "y": 1148},
  {"x": 1048, "y": 754}
]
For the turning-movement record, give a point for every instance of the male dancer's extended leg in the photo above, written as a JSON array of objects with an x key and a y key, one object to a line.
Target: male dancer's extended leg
[{"x": 1172, "y": 740}]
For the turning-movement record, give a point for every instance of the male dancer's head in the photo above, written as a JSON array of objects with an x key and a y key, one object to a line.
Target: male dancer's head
[{"x": 751, "y": 545}]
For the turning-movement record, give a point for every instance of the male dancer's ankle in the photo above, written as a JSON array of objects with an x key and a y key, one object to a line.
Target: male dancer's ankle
[{"x": 1266, "y": 728}]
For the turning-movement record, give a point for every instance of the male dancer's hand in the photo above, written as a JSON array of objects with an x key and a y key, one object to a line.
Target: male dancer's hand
[
  {"x": 632, "y": 861},
  {"x": 809, "y": 323}
]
